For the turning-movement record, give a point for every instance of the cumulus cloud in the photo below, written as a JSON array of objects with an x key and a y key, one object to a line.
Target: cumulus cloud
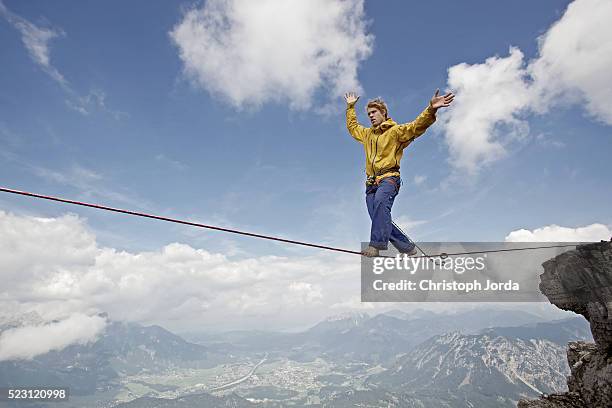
[
  {"x": 572, "y": 67},
  {"x": 556, "y": 233},
  {"x": 575, "y": 59},
  {"x": 304, "y": 292},
  {"x": 490, "y": 98},
  {"x": 250, "y": 52},
  {"x": 29, "y": 341},
  {"x": 56, "y": 268}
]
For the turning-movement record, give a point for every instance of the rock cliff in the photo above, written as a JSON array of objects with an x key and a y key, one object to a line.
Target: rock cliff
[{"x": 581, "y": 281}]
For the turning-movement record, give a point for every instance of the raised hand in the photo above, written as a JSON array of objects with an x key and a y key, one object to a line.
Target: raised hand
[
  {"x": 351, "y": 97},
  {"x": 441, "y": 101}
]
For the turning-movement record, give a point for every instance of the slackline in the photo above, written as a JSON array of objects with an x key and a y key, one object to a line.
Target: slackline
[{"x": 254, "y": 235}]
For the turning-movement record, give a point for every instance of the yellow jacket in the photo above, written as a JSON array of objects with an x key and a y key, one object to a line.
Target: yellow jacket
[{"x": 384, "y": 144}]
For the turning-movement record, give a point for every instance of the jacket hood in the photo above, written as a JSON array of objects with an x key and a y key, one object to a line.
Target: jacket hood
[{"x": 383, "y": 127}]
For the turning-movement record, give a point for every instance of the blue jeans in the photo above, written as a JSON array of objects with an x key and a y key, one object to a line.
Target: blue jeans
[{"x": 379, "y": 199}]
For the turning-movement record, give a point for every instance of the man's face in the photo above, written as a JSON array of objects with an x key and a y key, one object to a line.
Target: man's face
[{"x": 376, "y": 116}]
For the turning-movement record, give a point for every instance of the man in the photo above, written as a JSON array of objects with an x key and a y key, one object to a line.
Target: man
[{"x": 384, "y": 143}]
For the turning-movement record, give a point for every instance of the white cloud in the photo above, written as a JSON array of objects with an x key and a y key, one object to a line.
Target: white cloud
[
  {"x": 488, "y": 95},
  {"x": 250, "y": 52},
  {"x": 96, "y": 99},
  {"x": 35, "y": 249},
  {"x": 355, "y": 303},
  {"x": 175, "y": 164},
  {"x": 77, "y": 176},
  {"x": 56, "y": 268},
  {"x": 575, "y": 59},
  {"x": 547, "y": 140},
  {"x": 304, "y": 293},
  {"x": 29, "y": 341},
  {"x": 407, "y": 224},
  {"x": 419, "y": 179},
  {"x": 556, "y": 233},
  {"x": 36, "y": 40},
  {"x": 90, "y": 184},
  {"x": 572, "y": 67}
]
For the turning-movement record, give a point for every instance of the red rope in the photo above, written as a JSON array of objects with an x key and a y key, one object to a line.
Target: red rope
[
  {"x": 250, "y": 234},
  {"x": 193, "y": 224}
]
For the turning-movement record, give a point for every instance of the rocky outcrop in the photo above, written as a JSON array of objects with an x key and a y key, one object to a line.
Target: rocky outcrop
[{"x": 581, "y": 281}]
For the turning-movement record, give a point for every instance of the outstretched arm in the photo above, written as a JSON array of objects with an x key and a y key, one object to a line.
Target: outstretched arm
[
  {"x": 414, "y": 129},
  {"x": 355, "y": 129}
]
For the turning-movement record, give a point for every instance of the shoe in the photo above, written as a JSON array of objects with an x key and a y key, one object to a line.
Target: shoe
[
  {"x": 412, "y": 252},
  {"x": 370, "y": 252}
]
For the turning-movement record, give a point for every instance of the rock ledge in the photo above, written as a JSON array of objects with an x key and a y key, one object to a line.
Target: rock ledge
[{"x": 581, "y": 281}]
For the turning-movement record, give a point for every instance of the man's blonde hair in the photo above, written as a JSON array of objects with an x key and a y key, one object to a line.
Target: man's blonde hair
[{"x": 379, "y": 104}]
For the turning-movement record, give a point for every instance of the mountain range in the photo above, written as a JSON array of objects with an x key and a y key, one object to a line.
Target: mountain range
[{"x": 391, "y": 359}]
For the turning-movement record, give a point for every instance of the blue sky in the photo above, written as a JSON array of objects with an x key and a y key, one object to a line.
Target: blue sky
[
  {"x": 116, "y": 116},
  {"x": 179, "y": 150}
]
